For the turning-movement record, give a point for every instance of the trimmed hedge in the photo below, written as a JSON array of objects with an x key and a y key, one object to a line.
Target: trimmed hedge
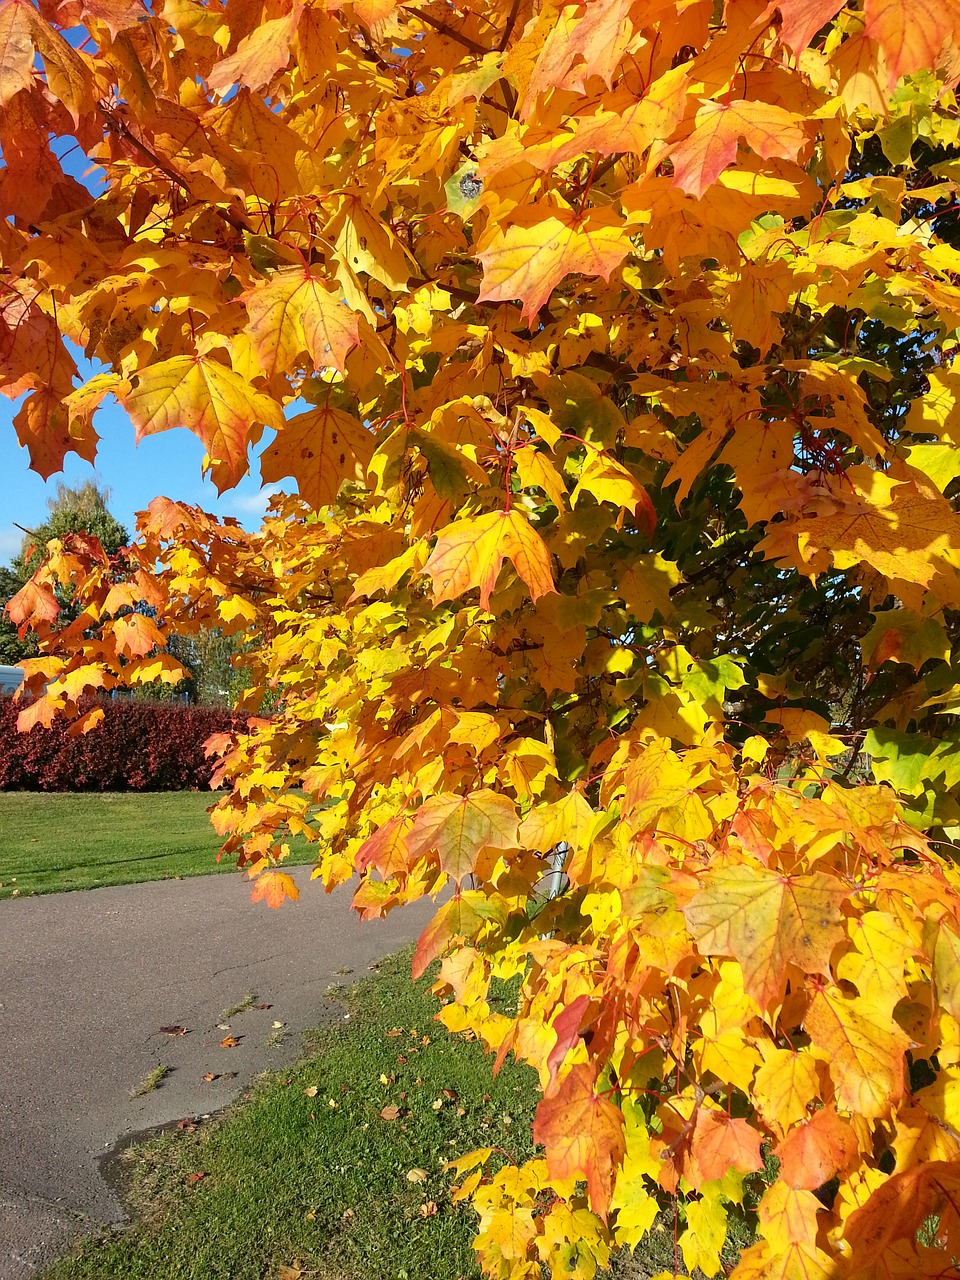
[{"x": 138, "y": 746}]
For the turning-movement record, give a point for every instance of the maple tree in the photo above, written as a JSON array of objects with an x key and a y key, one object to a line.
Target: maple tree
[{"x": 608, "y": 346}]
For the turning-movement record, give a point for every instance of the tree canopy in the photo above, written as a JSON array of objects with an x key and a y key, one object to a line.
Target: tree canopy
[
  {"x": 80, "y": 510},
  {"x": 607, "y": 347}
]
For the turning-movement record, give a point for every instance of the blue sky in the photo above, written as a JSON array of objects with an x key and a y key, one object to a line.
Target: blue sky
[{"x": 168, "y": 464}]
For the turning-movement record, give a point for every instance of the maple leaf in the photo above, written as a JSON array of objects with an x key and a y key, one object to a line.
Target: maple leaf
[
  {"x": 259, "y": 56},
  {"x": 457, "y": 828},
  {"x": 911, "y": 35},
  {"x": 16, "y": 48},
  {"x": 537, "y": 250},
  {"x": 294, "y": 312},
  {"x": 33, "y": 606},
  {"x": 815, "y": 1150},
  {"x": 320, "y": 449},
  {"x": 136, "y": 635},
  {"x": 895, "y": 1212},
  {"x": 209, "y": 399},
  {"x": 768, "y": 129},
  {"x": 865, "y": 1054},
  {"x": 387, "y": 848},
  {"x": 767, "y": 920},
  {"x": 583, "y": 1135},
  {"x": 720, "y": 1144},
  {"x": 272, "y": 887},
  {"x": 800, "y": 20},
  {"x": 470, "y": 553}
]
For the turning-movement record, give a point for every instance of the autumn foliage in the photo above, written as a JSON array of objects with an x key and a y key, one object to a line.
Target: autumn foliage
[
  {"x": 137, "y": 746},
  {"x": 606, "y": 348}
]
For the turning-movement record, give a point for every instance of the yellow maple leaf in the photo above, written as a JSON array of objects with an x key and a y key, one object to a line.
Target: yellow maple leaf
[
  {"x": 294, "y": 312},
  {"x": 541, "y": 246},
  {"x": 320, "y": 449},
  {"x": 865, "y": 1053},
  {"x": 470, "y": 553},
  {"x": 210, "y": 399},
  {"x": 767, "y": 920}
]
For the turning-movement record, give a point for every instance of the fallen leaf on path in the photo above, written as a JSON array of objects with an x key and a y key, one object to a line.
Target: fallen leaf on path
[
  {"x": 210, "y": 1076},
  {"x": 263, "y": 1006},
  {"x": 229, "y": 1042},
  {"x": 188, "y": 1126},
  {"x": 389, "y": 1113},
  {"x": 277, "y": 1025},
  {"x": 173, "y": 1031}
]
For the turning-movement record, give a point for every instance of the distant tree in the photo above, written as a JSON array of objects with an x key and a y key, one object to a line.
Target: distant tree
[{"x": 80, "y": 510}]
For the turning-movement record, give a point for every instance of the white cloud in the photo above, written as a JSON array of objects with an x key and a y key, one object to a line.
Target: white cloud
[{"x": 246, "y": 504}]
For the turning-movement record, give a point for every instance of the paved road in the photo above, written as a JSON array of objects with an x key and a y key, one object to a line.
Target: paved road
[{"x": 86, "y": 981}]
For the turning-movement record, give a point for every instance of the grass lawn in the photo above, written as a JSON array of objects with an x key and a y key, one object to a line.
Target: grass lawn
[
  {"x": 307, "y": 1175},
  {"x": 54, "y": 841},
  {"x": 305, "y": 1179}
]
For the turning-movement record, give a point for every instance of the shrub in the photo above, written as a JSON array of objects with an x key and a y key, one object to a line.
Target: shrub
[{"x": 138, "y": 746}]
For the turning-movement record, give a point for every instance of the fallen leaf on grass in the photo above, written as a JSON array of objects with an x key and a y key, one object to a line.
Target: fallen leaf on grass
[
  {"x": 437, "y": 1104},
  {"x": 428, "y": 1209},
  {"x": 389, "y": 1113},
  {"x": 449, "y": 1093},
  {"x": 347, "y": 1215},
  {"x": 289, "y": 1273},
  {"x": 417, "y": 1175},
  {"x": 195, "y": 1177},
  {"x": 229, "y": 1042},
  {"x": 173, "y": 1031},
  {"x": 188, "y": 1126},
  {"x": 394, "y": 1031},
  {"x": 311, "y": 1092}
]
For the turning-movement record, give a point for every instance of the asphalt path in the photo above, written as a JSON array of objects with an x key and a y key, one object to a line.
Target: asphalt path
[{"x": 88, "y": 979}]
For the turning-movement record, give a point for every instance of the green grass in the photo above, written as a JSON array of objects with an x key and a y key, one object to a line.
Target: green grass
[
  {"x": 56, "y": 841},
  {"x": 151, "y": 1081},
  {"x": 289, "y": 1180}
]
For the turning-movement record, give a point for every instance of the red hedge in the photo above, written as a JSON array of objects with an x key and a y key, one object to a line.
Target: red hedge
[{"x": 138, "y": 746}]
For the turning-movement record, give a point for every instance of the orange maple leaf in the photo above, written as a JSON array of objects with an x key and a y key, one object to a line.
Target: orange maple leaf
[
  {"x": 815, "y": 1150},
  {"x": 720, "y": 1144},
  {"x": 767, "y": 129},
  {"x": 259, "y": 56},
  {"x": 911, "y": 33},
  {"x": 33, "y": 605},
  {"x": 583, "y": 1135},
  {"x": 272, "y": 887},
  {"x": 320, "y": 449},
  {"x": 865, "y": 1053}
]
